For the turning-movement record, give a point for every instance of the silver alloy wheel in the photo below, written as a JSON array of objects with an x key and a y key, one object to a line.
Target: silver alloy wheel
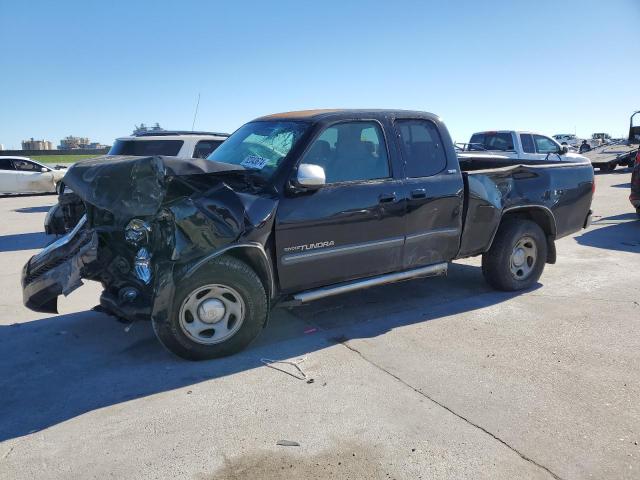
[
  {"x": 211, "y": 314},
  {"x": 523, "y": 258}
]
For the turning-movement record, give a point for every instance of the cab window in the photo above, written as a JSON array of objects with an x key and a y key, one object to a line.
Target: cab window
[
  {"x": 422, "y": 149},
  {"x": 527, "y": 143},
  {"x": 169, "y": 148},
  {"x": 204, "y": 148},
  {"x": 545, "y": 145},
  {"x": 350, "y": 151},
  {"x": 500, "y": 141},
  {"x": 26, "y": 166},
  {"x": 5, "y": 164}
]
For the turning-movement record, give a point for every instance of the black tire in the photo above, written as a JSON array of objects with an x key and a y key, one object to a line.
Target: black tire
[
  {"x": 226, "y": 271},
  {"x": 497, "y": 262},
  {"x": 608, "y": 167}
]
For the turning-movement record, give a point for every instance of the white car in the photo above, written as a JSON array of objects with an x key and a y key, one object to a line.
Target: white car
[
  {"x": 24, "y": 175},
  {"x": 568, "y": 139}
]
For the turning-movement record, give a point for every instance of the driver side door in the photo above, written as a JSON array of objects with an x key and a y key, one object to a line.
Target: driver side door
[
  {"x": 352, "y": 227},
  {"x": 546, "y": 149},
  {"x": 30, "y": 177}
]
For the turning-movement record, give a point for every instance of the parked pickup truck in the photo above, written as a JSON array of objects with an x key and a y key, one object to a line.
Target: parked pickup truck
[
  {"x": 514, "y": 145},
  {"x": 296, "y": 207}
]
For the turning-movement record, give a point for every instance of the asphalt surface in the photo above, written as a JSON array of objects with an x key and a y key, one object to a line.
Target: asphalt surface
[{"x": 434, "y": 378}]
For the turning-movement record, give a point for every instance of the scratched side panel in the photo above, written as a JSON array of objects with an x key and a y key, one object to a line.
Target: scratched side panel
[
  {"x": 565, "y": 190},
  {"x": 350, "y": 216}
]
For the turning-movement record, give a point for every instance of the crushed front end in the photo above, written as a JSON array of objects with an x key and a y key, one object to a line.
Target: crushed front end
[
  {"x": 147, "y": 222},
  {"x": 58, "y": 269},
  {"x": 124, "y": 260}
]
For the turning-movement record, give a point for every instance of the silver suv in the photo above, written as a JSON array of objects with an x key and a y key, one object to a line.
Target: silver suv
[{"x": 171, "y": 143}]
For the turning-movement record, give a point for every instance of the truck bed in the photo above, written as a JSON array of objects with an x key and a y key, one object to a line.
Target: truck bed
[{"x": 559, "y": 193}]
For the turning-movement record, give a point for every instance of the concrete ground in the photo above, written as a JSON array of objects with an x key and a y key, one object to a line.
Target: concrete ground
[{"x": 435, "y": 378}]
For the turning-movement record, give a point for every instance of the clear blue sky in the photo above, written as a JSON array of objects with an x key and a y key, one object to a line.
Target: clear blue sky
[{"x": 97, "y": 68}]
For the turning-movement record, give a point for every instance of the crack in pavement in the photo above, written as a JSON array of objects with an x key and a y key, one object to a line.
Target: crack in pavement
[
  {"x": 8, "y": 453},
  {"x": 343, "y": 341}
]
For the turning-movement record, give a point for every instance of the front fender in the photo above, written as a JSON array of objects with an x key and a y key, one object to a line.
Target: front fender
[
  {"x": 253, "y": 254},
  {"x": 168, "y": 275}
]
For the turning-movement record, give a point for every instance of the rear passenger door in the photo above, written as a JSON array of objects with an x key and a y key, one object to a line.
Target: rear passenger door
[
  {"x": 434, "y": 191},
  {"x": 353, "y": 227}
]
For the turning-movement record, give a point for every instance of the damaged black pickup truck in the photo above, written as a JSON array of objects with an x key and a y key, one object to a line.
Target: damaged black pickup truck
[{"x": 296, "y": 207}]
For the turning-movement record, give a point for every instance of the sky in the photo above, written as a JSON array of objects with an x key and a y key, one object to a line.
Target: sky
[{"x": 95, "y": 69}]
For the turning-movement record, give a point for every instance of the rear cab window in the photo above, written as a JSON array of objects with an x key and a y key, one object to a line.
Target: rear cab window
[
  {"x": 501, "y": 141},
  {"x": 527, "y": 143},
  {"x": 422, "y": 149},
  {"x": 169, "y": 148}
]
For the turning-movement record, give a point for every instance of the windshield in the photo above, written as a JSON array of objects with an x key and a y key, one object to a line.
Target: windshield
[
  {"x": 260, "y": 146},
  {"x": 146, "y": 147},
  {"x": 491, "y": 141}
]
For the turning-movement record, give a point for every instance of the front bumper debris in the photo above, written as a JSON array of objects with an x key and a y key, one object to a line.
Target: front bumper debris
[{"x": 57, "y": 269}]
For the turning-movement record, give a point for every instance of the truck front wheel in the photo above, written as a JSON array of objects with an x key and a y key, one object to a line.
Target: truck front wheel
[
  {"x": 215, "y": 313},
  {"x": 517, "y": 256}
]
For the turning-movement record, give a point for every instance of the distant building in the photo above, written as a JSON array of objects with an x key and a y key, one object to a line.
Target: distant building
[
  {"x": 36, "y": 144},
  {"x": 1, "y": 147},
  {"x": 96, "y": 146},
  {"x": 73, "y": 143}
]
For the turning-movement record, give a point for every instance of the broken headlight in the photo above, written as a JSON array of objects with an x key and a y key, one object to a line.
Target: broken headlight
[
  {"x": 142, "y": 265},
  {"x": 137, "y": 232}
]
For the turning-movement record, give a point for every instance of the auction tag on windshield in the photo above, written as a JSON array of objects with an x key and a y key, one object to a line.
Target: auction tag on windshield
[{"x": 254, "y": 161}]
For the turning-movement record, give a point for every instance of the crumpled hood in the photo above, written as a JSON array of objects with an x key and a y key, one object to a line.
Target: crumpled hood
[{"x": 132, "y": 186}]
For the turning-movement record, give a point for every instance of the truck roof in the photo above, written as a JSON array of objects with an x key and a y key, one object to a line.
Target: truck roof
[
  {"x": 344, "y": 113},
  {"x": 166, "y": 133},
  {"x": 162, "y": 135},
  {"x": 514, "y": 131}
]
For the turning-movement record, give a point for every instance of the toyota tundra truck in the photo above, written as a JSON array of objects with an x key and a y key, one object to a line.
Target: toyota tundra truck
[{"x": 296, "y": 207}]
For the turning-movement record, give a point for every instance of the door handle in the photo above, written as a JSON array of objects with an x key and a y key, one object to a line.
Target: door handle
[
  {"x": 387, "y": 197},
  {"x": 419, "y": 193}
]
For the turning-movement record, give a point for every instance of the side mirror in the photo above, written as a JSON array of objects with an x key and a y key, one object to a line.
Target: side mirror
[
  {"x": 44, "y": 169},
  {"x": 564, "y": 149},
  {"x": 310, "y": 176}
]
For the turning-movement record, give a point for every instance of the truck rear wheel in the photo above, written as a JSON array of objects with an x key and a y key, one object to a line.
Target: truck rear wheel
[
  {"x": 517, "y": 256},
  {"x": 215, "y": 313}
]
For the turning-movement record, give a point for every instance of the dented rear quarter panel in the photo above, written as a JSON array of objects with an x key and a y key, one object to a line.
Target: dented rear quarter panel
[{"x": 562, "y": 190}]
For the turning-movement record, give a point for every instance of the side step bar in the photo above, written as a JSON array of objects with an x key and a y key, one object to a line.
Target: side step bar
[{"x": 311, "y": 295}]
